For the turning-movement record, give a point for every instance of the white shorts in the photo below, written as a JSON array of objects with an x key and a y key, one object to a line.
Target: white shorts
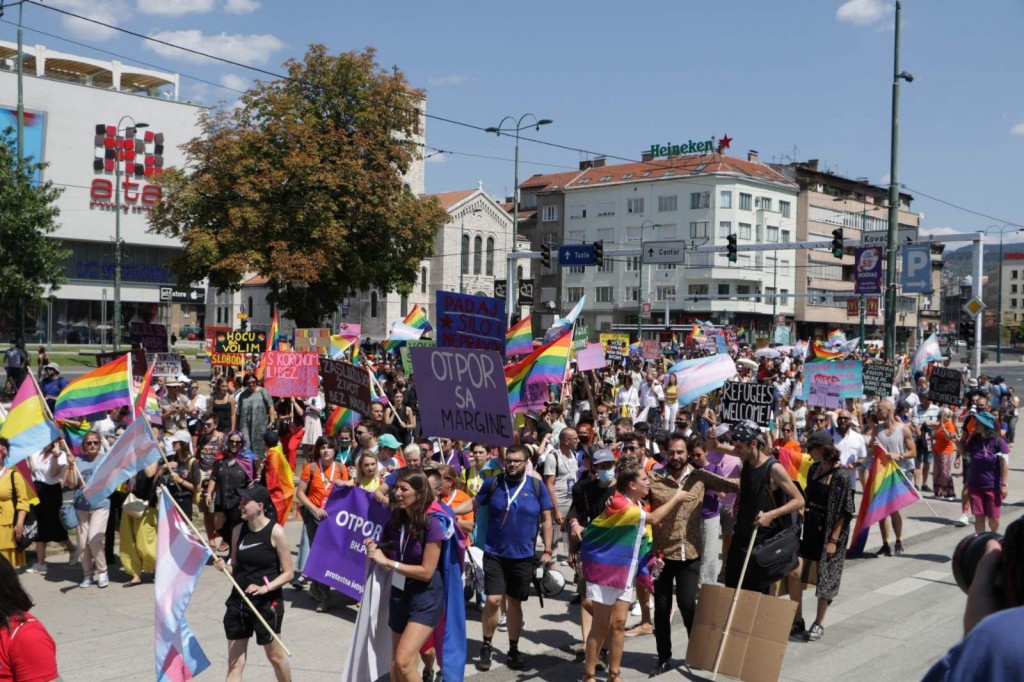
[{"x": 602, "y": 594}]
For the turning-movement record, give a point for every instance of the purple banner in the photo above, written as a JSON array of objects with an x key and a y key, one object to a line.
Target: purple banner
[
  {"x": 338, "y": 557},
  {"x": 867, "y": 272},
  {"x": 467, "y": 321}
]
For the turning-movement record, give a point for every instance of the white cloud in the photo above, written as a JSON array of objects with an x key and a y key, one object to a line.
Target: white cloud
[
  {"x": 248, "y": 49},
  {"x": 436, "y": 157},
  {"x": 451, "y": 79},
  {"x": 885, "y": 180},
  {"x": 241, "y": 6},
  {"x": 234, "y": 82},
  {"x": 175, "y": 8},
  {"x": 1017, "y": 129},
  {"x": 940, "y": 231},
  {"x": 863, "y": 12},
  {"x": 113, "y": 12}
]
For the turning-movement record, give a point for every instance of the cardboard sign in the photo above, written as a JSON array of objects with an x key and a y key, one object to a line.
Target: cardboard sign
[
  {"x": 338, "y": 557},
  {"x": 292, "y": 374},
  {"x": 580, "y": 337},
  {"x": 592, "y": 357},
  {"x": 166, "y": 364},
  {"x": 825, "y": 392},
  {"x": 210, "y": 340},
  {"x": 240, "y": 342},
  {"x": 152, "y": 337},
  {"x": 345, "y": 385},
  {"x": 463, "y": 395},
  {"x": 650, "y": 349},
  {"x": 227, "y": 359},
  {"x": 743, "y": 400},
  {"x": 318, "y": 339},
  {"x": 616, "y": 346},
  {"x": 946, "y": 386},
  {"x": 466, "y": 321},
  {"x": 878, "y": 379},
  {"x": 850, "y": 373},
  {"x": 139, "y": 365},
  {"x": 404, "y": 352}
]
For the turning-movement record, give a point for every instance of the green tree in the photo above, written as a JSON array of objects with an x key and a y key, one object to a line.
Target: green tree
[
  {"x": 302, "y": 183},
  {"x": 30, "y": 261}
]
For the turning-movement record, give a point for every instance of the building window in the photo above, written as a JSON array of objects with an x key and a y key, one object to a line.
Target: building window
[
  {"x": 478, "y": 254},
  {"x": 1013, "y": 274},
  {"x": 783, "y": 296},
  {"x": 723, "y": 289},
  {"x": 404, "y": 305},
  {"x": 724, "y": 228},
  {"x": 764, "y": 203},
  {"x": 1013, "y": 303},
  {"x": 490, "y": 257},
  {"x": 700, "y": 200},
  {"x": 373, "y": 304},
  {"x": 633, "y": 234},
  {"x": 746, "y": 201},
  {"x": 573, "y": 294},
  {"x": 577, "y": 211},
  {"x": 743, "y": 290},
  {"x": 784, "y": 267},
  {"x": 745, "y": 231},
  {"x": 465, "y": 254},
  {"x": 670, "y": 203},
  {"x": 423, "y": 280},
  {"x": 635, "y": 206},
  {"x": 785, "y": 237},
  {"x": 725, "y": 198},
  {"x": 603, "y": 294},
  {"x": 666, "y": 266},
  {"x": 784, "y": 209},
  {"x": 519, "y": 273},
  {"x": 632, "y": 263},
  {"x": 607, "y": 266},
  {"x": 773, "y": 233},
  {"x": 666, "y": 292},
  {"x": 1013, "y": 288},
  {"x": 550, "y": 214},
  {"x": 606, "y": 208},
  {"x": 631, "y": 294},
  {"x": 577, "y": 269},
  {"x": 700, "y": 228},
  {"x": 698, "y": 290}
]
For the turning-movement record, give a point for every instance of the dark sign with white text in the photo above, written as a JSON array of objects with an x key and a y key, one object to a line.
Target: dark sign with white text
[
  {"x": 345, "y": 385},
  {"x": 741, "y": 400}
]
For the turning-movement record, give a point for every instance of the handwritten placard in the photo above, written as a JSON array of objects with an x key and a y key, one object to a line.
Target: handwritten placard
[
  {"x": 850, "y": 373},
  {"x": 227, "y": 359},
  {"x": 241, "y": 342},
  {"x": 946, "y": 386},
  {"x": 878, "y": 379},
  {"x": 743, "y": 400},
  {"x": 318, "y": 339},
  {"x": 591, "y": 357},
  {"x": 166, "y": 364},
  {"x": 152, "y": 337},
  {"x": 292, "y": 374},
  {"x": 825, "y": 392},
  {"x": 345, "y": 385},
  {"x": 466, "y": 321}
]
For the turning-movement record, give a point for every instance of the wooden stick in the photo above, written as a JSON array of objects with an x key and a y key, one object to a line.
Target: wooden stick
[
  {"x": 732, "y": 607},
  {"x": 234, "y": 583},
  {"x": 914, "y": 488}
]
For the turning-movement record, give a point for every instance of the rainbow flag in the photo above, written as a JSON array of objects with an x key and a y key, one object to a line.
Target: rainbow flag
[
  {"x": 102, "y": 389},
  {"x": 28, "y": 426},
  {"x": 417, "y": 317},
  {"x": 415, "y": 321},
  {"x": 616, "y": 544},
  {"x": 835, "y": 338},
  {"x": 341, "y": 417},
  {"x": 701, "y": 376},
  {"x": 74, "y": 434},
  {"x": 819, "y": 352},
  {"x": 519, "y": 338},
  {"x": 797, "y": 465},
  {"x": 528, "y": 380},
  {"x": 377, "y": 394},
  {"x": 280, "y": 482},
  {"x": 273, "y": 341},
  {"x": 886, "y": 491},
  {"x": 696, "y": 334},
  {"x": 146, "y": 402}
]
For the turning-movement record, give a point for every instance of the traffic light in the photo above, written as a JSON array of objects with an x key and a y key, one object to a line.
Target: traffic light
[
  {"x": 731, "y": 249},
  {"x": 545, "y": 255},
  {"x": 967, "y": 330},
  {"x": 244, "y": 325},
  {"x": 837, "y": 242},
  {"x": 599, "y": 253}
]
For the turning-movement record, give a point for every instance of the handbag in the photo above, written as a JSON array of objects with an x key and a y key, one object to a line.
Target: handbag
[
  {"x": 134, "y": 506},
  {"x": 777, "y": 556},
  {"x": 68, "y": 516},
  {"x": 30, "y": 528}
]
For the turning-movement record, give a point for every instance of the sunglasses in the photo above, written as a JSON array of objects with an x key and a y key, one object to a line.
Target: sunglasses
[{"x": 234, "y": 442}]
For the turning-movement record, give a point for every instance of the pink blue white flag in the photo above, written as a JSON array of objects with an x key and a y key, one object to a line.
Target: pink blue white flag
[
  {"x": 132, "y": 452},
  {"x": 563, "y": 324},
  {"x": 929, "y": 351},
  {"x": 701, "y": 376},
  {"x": 180, "y": 559}
]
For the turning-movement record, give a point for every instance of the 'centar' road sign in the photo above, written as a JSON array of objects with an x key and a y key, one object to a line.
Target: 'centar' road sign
[
  {"x": 576, "y": 254},
  {"x": 664, "y": 252}
]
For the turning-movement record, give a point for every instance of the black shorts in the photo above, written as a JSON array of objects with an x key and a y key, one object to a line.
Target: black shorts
[
  {"x": 509, "y": 577},
  {"x": 240, "y": 623},
  {"x": 419, "y": 602}
]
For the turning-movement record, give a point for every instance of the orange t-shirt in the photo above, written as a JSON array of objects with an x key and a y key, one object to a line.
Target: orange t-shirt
[
  {"x": 319, "y": 483},
  {"x": 458, "y": 498},
  {"x": 943, "y": 444}
]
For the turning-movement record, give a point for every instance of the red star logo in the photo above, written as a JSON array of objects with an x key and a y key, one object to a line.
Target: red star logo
[{"x": 724, "y": 143}]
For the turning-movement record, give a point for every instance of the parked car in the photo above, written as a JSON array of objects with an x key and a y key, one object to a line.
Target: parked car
[{"x": 190, "y": 332}]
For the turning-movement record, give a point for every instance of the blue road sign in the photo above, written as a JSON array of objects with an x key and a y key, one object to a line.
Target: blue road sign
[
  {"x": 576, "y": 254},
  {"x": 917, "y": 268}
]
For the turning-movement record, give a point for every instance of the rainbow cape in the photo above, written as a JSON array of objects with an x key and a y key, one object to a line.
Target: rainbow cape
[
  {"x": 102, "y": 389},
  {"x": 819, "y": 352},
  {"x": 280, "y": 482},
  {"x": 528, "y": 380},
  {"x": 616, "y": 545},
  {"x": 340, "y": 418},
  {"x": 519, "y": 338},
  {"x": 273, "y": 342},
  {"x": 797, "y": 465},
  {"x": 27, "y": 426},
  {"x": 886, "y": 491}
]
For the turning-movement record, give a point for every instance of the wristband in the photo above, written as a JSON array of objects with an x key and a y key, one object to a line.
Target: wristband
[{"x": 394, "y": 566}]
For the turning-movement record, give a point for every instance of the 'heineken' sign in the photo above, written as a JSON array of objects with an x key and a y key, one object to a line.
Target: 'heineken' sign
[{"x": 690, "y": 147}]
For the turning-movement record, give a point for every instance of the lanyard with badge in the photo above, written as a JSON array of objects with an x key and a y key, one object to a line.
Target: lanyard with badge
[
  {"x": 509, "y": 501},
  {"x": 398, "y": 580},
  {"x": 325, "y": 482}
]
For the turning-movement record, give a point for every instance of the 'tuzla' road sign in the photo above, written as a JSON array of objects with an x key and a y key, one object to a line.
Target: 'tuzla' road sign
[
  {"x": 576, "y": 254},
  {"x": 664, "y": 252}
]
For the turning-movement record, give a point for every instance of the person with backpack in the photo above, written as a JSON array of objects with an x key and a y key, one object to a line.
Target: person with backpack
[{"x": 516, "y": 503}]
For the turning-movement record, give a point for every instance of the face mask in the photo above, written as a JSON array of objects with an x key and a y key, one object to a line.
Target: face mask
[{"x": 606, "y": 476}]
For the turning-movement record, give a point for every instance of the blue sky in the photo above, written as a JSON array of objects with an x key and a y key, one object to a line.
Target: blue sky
[{"x": 801, "y": 78}]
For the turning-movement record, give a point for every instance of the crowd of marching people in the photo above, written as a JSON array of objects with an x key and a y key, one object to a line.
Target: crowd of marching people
[{"x": 635, "y": 499}]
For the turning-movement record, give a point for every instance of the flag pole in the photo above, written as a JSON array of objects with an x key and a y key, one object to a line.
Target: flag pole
[
  {"x": 61, "y": 442},
  {"x": 234, "y": 583}
]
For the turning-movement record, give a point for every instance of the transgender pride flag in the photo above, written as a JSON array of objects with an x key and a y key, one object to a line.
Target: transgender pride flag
[
  {"x": 180, "y": 559},
  {"x": 700, "y": 376},
  {"x": 133, "y": 451}
]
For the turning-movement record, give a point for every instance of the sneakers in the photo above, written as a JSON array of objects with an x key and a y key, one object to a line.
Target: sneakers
[
  {"x": 815, "y": 633},
  {"x": 36, "y": 568},
  {"x": 502, "y": 623},
  {"x": 300, "y": 582},
  {"x": 602, "y": 661},
  {"x": 514, "y": 660},
  {"x": 86, "y": 582},
  {"x": 963, "y": 521},
  {"x": 483, "y": 664},
  {"x": 634, "y": 610},
  {"x": 103, "y": 580},
  {"x": 884, "y": 551},
  {"x": 898, "y": 549},
  {"x": 797, "y": 629},
  {"x": 925, "y": 489}
]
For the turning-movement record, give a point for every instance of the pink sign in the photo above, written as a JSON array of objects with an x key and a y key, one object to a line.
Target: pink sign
[
  {"x": 292, "y": 374},
  {"x": 591, "y": 357}
]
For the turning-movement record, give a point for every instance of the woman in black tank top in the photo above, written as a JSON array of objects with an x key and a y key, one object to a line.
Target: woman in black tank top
[{"x": 261, "y": 565}]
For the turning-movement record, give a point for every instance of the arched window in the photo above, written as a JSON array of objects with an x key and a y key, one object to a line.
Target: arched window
[
  {"x": 423, "y": 280},
  {"x": 404, "y": 305},
  {"x": 465, "y": 254},
  {"x": 490, "y": 256},
  {"x": 478, "y": 254},
  {"x": 373, "y": 304},
  {"x": 519, "y": 273},
  {"x": 250, "y": 310}
]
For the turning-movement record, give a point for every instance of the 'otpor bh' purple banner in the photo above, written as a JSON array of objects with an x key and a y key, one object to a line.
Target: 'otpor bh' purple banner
[{"x": 338, "y": 558}]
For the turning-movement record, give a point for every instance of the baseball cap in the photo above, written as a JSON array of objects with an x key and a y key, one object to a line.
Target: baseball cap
[
  {"x": 388, "y": 441},
  {"x": 602, "y": 456},
  {"x": 819, "y": 439},
  {"x": 256, "y": 493}
]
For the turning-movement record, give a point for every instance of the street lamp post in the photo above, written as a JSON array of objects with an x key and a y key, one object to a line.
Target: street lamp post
[
  {"x": 513, "y": 285},
  {"x": 640, "y": 284},
  {"x": 999, "y": 290},
  {"x": 117, "y": 224}
]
